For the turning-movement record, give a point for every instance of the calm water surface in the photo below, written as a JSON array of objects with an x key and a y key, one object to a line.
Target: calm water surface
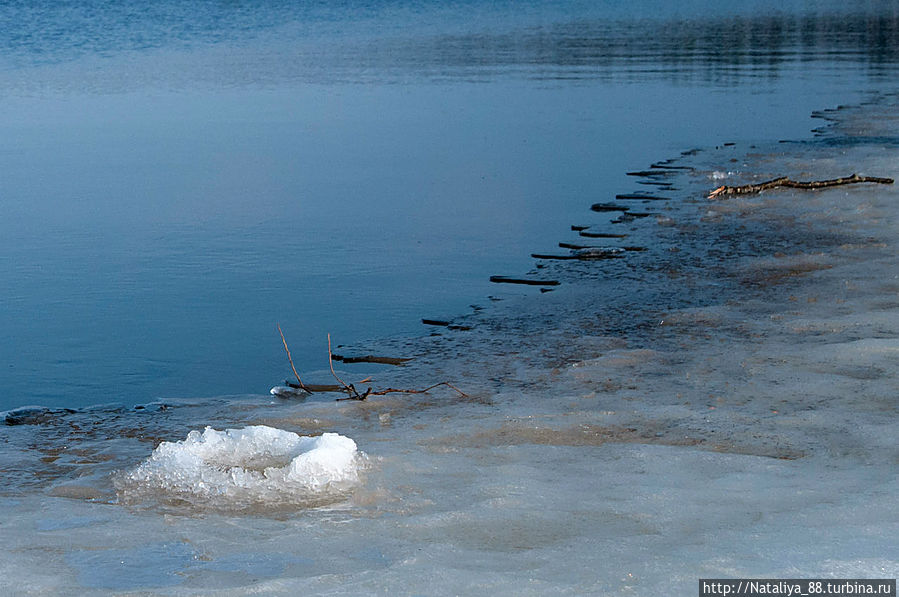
[{"x": 178, "y": 177}]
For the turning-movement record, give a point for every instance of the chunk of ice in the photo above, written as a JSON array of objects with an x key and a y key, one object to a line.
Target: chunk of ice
[{"x": 253, "y": 467}]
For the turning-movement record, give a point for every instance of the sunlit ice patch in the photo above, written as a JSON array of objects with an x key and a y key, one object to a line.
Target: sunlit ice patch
[{"x": 253, "y": 468}]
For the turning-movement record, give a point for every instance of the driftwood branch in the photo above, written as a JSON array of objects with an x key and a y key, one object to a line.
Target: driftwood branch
[
  {"x": 350, "y": 389},
  {"x": 527, "y": 282},
  {"x": 396, "y": 391},
  {"x": 369, "y": 391},
  {"x": 371, "y": 359},
  {"x": 784, "y": 181},
  {"x": 313, "y": 388}
]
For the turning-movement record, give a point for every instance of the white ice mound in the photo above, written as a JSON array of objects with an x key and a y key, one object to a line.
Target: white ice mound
[{"x": 253, "y": 467}]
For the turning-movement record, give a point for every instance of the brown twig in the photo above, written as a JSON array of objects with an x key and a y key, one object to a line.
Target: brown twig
[
  {"x": 371, "y": 359},
  {"x": 315, "y": 388},
  {"x": 299, "y": 381},
  {"x": 354, "y": 395},
  {"x": 397, "y": 391},
  {"x": 369, "y": 392},
  {"x": 508, "y": 280},
  {"x": 350, "y": 389},
  {"x": 331, "y": 364},
  {"x": 783, "y": 181}
]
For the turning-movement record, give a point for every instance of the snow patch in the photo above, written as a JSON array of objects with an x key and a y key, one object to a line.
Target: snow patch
[{"x": 253, "y": 467}]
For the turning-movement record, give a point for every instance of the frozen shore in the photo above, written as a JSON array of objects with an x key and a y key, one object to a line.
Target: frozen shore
[{"x": 720, "y": 405}]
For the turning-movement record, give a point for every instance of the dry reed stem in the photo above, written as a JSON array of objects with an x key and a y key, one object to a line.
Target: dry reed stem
[
  {"x": 284, "y": 341},
  {"x": 331, "y": 365},
  {"x": 397, "y": 391},
  {"x": 350, "y": 389}
]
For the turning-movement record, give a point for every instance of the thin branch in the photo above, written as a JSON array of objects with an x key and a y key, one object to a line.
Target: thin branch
[
  {"x": 316, "y": 388},
  {"x": 299, "y": 381},
  {"x": 350, "y": 389},
  {"x": 331, "y": 364},
  {"x": 369, "y": 392},
  {"x": 354, "y": 395},
  {"x": 371, "y": 359},
  {"x": 397, "y": 391},
  {"x": 783, "y": 181}
]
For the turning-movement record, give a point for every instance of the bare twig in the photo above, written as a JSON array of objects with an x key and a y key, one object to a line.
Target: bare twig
[
  {"x": 350, "y": 389},
  {"x": 314, "y": 388},
  {"x": 299, "y": 381},
  {"x": 783, "y": 181},
  {"x": 369, "y": 392},
  {"x": 354, "y": 395},
  {"x": 397, "y": 391},
  {"x": 508, "y": 280},
  {"x": 331, "y": 364},
  {"x": 371, "y": 359}
]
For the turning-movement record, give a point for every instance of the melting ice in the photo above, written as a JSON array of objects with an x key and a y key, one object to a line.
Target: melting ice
[{"x": 252, "y": 467}]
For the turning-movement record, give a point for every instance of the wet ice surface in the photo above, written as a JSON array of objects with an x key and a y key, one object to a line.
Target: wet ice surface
[{"x": 721, "y": 405}]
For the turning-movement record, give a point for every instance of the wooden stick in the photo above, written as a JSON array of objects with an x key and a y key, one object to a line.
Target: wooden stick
[
  {"x": 609, "y": 207},
  {"x": 397, "y": 391},
  {"x": 331, "y": 365},
  {"x": 508, "y": 280},
  {"x": 350, "y": 389},
  {"x": 435, "y": 322},
  {"x": 784, "y": 181},
  {"x": 299, "y": 381},
  {"x": 556, "y": 257},
  {"x": 313, "y": 388},
  {"x": 372, "y": 359}
]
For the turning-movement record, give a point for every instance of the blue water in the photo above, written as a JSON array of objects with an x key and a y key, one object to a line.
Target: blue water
[{"x": 176, "y": 178}]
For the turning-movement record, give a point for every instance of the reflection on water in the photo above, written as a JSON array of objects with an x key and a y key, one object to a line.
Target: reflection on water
[
  {"x": 710, "y": 49},
  {"x": 236, "y": 43}
]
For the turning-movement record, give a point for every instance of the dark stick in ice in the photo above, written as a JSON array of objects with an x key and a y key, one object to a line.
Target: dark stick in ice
[
  {"x": 371, "y": 359},
  {"x": 784, "y": 181},
  {"x": 507, "y": 280},
  {"x": 350, "y": 389}
]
